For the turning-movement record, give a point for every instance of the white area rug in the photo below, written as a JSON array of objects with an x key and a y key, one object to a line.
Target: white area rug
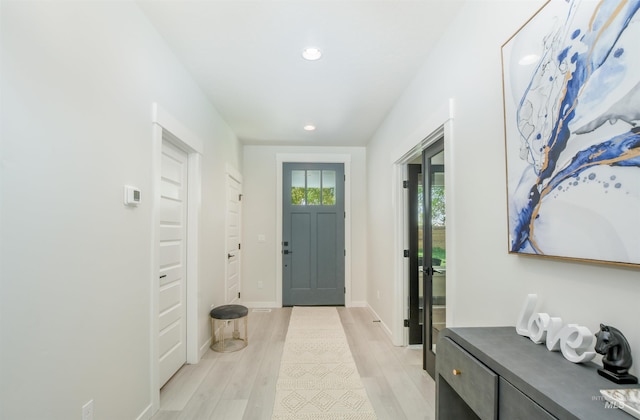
[{"x": 318, "y": 378}]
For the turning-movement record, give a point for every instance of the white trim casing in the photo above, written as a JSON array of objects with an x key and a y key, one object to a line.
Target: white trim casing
[
  {"x": 314, "y": 158},
  {"x": 146, "y": 413},
  {"x": 156, "y": 165},
  {"x": 168, "y": 122},
  {"x": 194, "y": 203},
  {"x": 441, "y": 123},
  {"x": 376, "y": 317},
  {"x": 184, "y": 139},
  {"x": 261, "y": 304},
  {"x": 233, "y": 172}
]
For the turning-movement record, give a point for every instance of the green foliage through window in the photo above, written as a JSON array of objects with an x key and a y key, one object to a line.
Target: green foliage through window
[
  {"x": 313, "y": 194},
  {"x": 297, "y": 196},
  {"x": 437, "y": 206},
  {"x": 440, "y": 254},
  {"x": 328, "y": 196}
]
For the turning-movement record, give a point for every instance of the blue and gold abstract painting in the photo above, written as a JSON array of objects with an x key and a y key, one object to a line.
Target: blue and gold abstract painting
[{"x": 571, "y": 78}]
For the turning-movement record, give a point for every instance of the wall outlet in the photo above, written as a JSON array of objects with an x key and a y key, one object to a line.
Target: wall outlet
[
  {"x": 87, "y": 411},
  {"x": 259, "y": 284}
]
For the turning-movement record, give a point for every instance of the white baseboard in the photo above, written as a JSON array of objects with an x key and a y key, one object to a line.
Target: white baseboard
[
  {"x": 260, "y": 304},
  {"x": 273, "y": 305},
  {"x": 384, "y": 326},
  {"x": 146, "y": 414},
  {"x": 204, "y": 348}
]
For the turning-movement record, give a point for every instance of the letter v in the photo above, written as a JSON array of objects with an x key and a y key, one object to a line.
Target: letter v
[{"x": 553, "y": 334}]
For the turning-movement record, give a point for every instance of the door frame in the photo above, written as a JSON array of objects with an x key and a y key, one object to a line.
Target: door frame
[
  {"x": 438, "y": 126},
  {"x": 282, "y": 158},
  {"x": 166, "y": 126}
]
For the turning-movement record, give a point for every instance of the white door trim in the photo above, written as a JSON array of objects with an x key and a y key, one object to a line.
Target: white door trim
[
  {"x": 441, "y": 124},
  {"x": 314, "y": 158},
  {"x": 233, "y": 173},
  {"x": 184, "y": 139}
]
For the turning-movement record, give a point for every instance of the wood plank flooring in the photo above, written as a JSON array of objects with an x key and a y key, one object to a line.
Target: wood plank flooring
[{"x": 241, "y": 385}]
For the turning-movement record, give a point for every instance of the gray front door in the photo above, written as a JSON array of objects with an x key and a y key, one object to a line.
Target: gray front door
[{"x": 313, "y": 234}]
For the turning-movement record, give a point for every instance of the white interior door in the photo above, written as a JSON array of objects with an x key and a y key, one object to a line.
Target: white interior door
[
  {"x": 233, "y": 232},
  {"x": 172, "y": 270}
]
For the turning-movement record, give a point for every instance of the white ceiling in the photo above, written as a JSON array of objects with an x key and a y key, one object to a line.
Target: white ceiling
[{"x": 246, "y": 56}]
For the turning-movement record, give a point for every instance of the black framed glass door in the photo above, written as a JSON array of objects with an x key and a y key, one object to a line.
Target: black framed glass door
[
  {"x": 415, "y": 252},
  {"x": 434, "y": 264}
]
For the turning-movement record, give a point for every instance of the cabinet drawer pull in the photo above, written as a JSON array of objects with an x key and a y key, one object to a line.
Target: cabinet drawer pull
[{"x": 457, "y": 372}]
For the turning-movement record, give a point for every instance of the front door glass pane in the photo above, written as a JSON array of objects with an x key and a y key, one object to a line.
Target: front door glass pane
[
  {"x": 328, "y": 188},
  {"x": 313, "y": 188},
  {"x": 298, "y": 188}
]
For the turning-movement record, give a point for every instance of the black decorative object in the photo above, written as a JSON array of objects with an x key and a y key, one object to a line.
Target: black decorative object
[{"x": 613, "y": 345}]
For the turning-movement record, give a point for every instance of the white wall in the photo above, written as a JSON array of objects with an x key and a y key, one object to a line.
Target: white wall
[
  {"x": 489, "y": 286},
  {"x": 259, "y": 218},
  {"x": 78, "y": 82}
]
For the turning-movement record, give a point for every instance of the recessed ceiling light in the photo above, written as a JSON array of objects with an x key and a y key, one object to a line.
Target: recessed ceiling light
[
  {"x": 311, "y": 53},
  {"x": 310, "y": 127}
]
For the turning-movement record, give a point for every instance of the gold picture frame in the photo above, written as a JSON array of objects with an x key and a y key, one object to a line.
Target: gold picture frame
[{"x": 571, "y": 91}]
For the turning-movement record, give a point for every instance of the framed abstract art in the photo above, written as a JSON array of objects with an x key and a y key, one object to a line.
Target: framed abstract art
[{"x": 571, "y": 85}]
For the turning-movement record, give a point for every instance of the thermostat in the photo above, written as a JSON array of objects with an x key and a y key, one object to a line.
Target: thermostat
[{"x": 131, "y": 195}]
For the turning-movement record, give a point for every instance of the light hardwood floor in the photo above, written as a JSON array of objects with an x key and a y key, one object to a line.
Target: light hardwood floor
[{"x": 241, "y": 385}]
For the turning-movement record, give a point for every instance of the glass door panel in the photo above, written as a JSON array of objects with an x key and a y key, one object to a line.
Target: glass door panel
[
  {"x": 420, "y": 250},
  {"x": 415, "y": 253},
  {"x": 434, "y": 264},
  {"x": 438, "y": 250}
]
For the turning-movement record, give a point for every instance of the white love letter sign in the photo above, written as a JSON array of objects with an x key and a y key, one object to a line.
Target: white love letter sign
[{"x": 574, "y": 341}]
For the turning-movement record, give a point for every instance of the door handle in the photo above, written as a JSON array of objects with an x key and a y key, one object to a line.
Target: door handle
[
  {"x": 163, "y": 276},
  {"x": 286, "y": 252},
  {"x": 230, "y": 256}
]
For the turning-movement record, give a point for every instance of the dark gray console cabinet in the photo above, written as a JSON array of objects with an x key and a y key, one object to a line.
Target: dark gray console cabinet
[{"x": 494, "y": 373}]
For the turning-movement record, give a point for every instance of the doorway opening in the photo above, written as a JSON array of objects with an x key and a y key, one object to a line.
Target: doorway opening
[
  {"x": 313, "y": 245},
  {"x": 426, "y": 251},
  {"x": 421, "y": 270},
  {"x": 281, "y": 159},
  {"x": 168, "y": 132}
]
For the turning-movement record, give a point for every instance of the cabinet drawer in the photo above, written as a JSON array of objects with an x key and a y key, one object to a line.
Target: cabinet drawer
[
  {"x": 470, "y": 379},
  {"x": 514, "y": 405}
]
